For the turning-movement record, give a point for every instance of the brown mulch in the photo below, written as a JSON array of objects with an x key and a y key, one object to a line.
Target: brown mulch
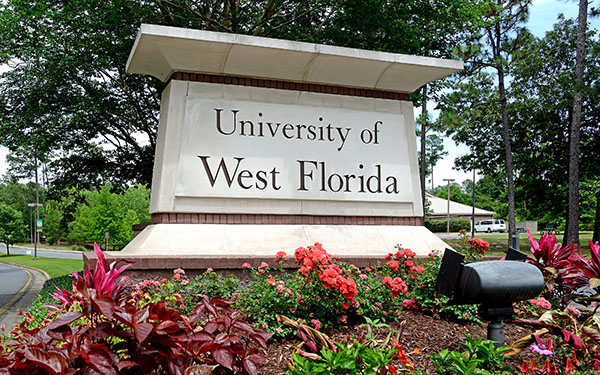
[{"x": 422, "y": 336}]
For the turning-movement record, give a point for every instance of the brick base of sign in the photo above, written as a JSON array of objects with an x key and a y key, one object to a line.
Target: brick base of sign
[{"x": 195, "y": 218}]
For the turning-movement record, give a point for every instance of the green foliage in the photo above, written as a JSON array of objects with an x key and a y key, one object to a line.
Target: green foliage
[
  {"x": 38, "y": 312},
  {"x": 479, "y": 357},
  {"x": 12, "y": 229},
  {"x": 182, "y": 293},
  {"x": 422, "y": 290},
  {"x": 52, "y": 226},
  {"x": 349, "y": 358},
  {"x": 438, "y": 226}
]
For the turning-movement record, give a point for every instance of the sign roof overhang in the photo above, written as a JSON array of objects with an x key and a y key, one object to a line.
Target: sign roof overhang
[{"x": 160, "y": 51}]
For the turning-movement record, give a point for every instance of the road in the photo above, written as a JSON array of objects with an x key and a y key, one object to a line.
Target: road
[
  {"x": 15, "y": 281},
  {"x": 66, "y": 254}
]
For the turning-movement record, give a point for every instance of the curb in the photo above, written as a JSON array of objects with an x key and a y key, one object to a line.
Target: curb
[{"x": 24, "y": 298}]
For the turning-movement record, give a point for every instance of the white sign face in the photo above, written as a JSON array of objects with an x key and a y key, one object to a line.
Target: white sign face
[{"x": 246, "y": 149}]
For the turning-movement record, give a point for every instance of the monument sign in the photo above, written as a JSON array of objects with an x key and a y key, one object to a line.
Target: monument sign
[{"x": 267, "y": 145}]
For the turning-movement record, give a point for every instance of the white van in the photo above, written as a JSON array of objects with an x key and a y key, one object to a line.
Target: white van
[{"x": 492, "y": 225}]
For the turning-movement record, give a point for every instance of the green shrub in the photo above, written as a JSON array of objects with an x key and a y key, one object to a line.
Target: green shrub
[
  {"x": 38, "y": 310},
  {"x": 456, "y": 225},
  {"x": 479, "y": 357},
  {"x": 182, "y": 293}
]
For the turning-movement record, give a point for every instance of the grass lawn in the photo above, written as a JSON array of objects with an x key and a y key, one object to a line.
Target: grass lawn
[
  {"x": 499, "y": 241},
  {"x": 54, "y": 267},
  {"x": 44, "y": 246}
]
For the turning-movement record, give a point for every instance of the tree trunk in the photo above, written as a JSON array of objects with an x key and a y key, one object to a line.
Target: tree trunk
[
  {"x": 508, "y": 153},
  {"x": 596, "y": 236},
  {"x": 423, "y": 147},
  {"x": 572, "y": 230},
  {"x": 7, "y": 248}
]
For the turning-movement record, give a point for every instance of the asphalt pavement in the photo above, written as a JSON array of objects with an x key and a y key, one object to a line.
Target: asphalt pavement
[
  {"x": 60, "y": 254},
  {"x": 19, "y": 288}
]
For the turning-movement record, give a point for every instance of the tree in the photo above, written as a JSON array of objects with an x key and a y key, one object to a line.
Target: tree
[
  {"x": 501, "y": 21},
  {"x": 67, "y": 94},
  {"x": 572, "y": 229},
  {"x": 52, "y": 226},
  {"x": 12, "y": 229},
  {"x": 434, "y": 152}
]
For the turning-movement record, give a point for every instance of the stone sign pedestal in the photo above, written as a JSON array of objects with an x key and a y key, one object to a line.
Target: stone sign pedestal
[{"x": 267, "y": 145}]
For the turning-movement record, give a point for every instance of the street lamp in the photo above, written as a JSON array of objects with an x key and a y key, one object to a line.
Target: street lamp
[{"x": 448, "y": 217}]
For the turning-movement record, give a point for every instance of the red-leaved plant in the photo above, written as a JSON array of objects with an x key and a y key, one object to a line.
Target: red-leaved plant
[
  {"x": 108, "y": 331},
  {"x": 554, "y": 261}
]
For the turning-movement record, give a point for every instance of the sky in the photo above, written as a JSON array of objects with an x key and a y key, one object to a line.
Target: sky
[{"x": 543, "y": 15}]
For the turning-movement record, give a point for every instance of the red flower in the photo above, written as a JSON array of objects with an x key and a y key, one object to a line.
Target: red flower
[
  {"x": 396, "y": 285},
  {"x": 401, "y": 355},
  {"x": 246, "y": 265},
  {"x": 348, "y": 288},
  {"x": 346, "y": 305},
  {"x": 393, "y": 265},
  {"x": 409, "y": 253}
]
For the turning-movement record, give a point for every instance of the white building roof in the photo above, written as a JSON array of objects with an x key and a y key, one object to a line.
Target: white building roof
[
  {"x": 439, "y": 207},
  {"x": 160, "y": 50}
]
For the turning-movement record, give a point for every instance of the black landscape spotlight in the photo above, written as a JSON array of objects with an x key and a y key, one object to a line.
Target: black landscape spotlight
[{"x": 493, "y": 284}]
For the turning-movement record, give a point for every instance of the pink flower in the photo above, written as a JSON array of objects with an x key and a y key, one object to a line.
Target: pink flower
[
  {"x": 263, "y": 265},
  {"x": 182, "y": 306},
  {"x": 293, "y": 311},
  {"x": 279, "y": 330},
  {"x": 368, "y": 269},
  {"x": 432, "y": 254},
  {"x": 209, "y": 269},
  {"x": 541, "y": 302},
  {"x": 316, "y": 323},
  {"x": 573, "y": 310},
  {"x": 362, "y": 276},
  {"x": 184, "y": 282},
  {"x": 177, "y": 276},
  {"x": 265, "y": 326},
  {"x": 246, "y": 266},
  {"x": 179, "y": 270},
  {"x": 163, "y": 280},
  {"x": 343, "y": 318}
]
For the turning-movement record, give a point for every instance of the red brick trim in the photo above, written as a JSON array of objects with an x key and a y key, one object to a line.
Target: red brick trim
[
  {"x": 197, "y": 218},
  {"x": 287, "y": 85}
]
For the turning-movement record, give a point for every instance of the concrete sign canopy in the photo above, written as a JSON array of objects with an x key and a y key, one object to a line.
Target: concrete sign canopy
[{"x": 160, "y": 51}]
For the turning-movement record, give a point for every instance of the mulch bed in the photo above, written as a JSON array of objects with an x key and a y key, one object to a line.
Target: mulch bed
[{"x": 422, "y": 336}]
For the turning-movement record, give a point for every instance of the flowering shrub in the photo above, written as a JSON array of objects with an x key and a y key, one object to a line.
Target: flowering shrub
[
  {"x": 326, "y": 290},
  {"x": 182, "y": 292},
  {"x": 103, "y": 329},
  {"x": 422, "y": 296},
  {"x": 473, "y": 248}
]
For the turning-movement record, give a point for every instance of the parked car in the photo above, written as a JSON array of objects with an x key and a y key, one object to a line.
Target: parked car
[{"x": 492, "y": 225}]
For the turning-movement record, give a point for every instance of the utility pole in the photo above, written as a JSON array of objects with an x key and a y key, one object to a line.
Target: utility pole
[
  {"x": 473, "y": 213},
  {"x": 448, "y": 217},
  {"x": 37, "y": 210}
]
